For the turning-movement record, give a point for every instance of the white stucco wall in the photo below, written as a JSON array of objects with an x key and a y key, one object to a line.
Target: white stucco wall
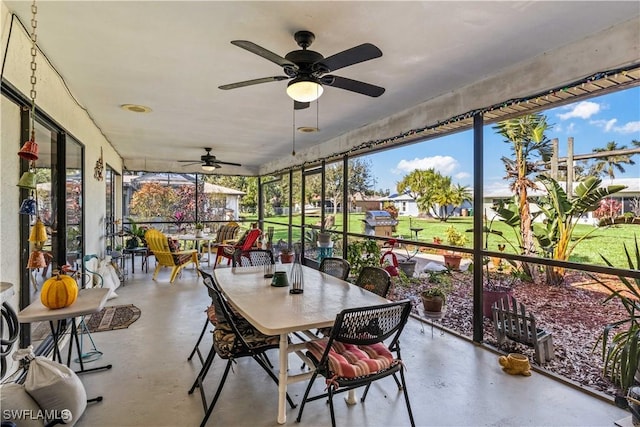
[{"x": 53, "y": 98}]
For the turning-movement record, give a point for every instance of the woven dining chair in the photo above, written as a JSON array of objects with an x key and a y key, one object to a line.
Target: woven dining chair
[
  {"x": 355, "y": 355},
  {"x": 253, "y": 257},
  {"x": 337, "y": 267},
  {"x": 233, "y": 338},
  {"x": 210, "y": 284},
  {"x": 374, "y": 279}
]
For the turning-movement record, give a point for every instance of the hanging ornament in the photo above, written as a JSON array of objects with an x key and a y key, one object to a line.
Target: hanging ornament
[
  {"x": 29, "y": 150},
  {"x": 27, "y": 181},
  {"x": 99, "y": 168},
  {"x": 28, "y": 207},
  {"x": 38, "y": 233},
  {"x": 36, "y": 260}
]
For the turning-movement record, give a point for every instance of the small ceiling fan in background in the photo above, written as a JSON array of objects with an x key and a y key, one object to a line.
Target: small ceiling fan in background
[
  {"x": 308, "y": 69},
  {"x": 208, "y": 161}
]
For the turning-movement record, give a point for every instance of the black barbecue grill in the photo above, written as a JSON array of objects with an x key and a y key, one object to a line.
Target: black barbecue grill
[{"x": 379, "y": 223}]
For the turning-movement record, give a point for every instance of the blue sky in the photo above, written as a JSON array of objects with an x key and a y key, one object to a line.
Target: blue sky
[{"x": 592, "y": 123}]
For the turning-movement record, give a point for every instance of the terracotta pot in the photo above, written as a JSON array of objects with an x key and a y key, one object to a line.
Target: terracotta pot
[
  {"x": 286, "y": 258},
  {"x": 490, "y": 297},
  {"x": 432, "y": 304},
  {"x": 452, "y": 261}
]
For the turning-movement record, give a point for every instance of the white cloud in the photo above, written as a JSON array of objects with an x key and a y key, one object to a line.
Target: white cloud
[
  {"x": 571, "y": 128},
  {"x": 443, "y": 164},
  {"x": 462, "y": 175},
  {"x": 583, "y": 110},
  {"x": 606, "y": 125},
  {"x": 629, "y": 127}
]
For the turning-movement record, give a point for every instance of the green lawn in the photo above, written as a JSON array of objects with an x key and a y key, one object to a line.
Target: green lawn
[{"x": 607, "y": 241}]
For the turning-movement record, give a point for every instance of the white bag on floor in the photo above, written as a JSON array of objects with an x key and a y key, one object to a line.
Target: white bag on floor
[
  {"x": 56, "y": 389},
  {"x": 18, "y": 407},
  {"x": 109, "y": 276}
]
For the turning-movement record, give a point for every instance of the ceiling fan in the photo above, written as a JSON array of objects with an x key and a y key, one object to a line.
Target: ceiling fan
[
  {"x": 308, "y": 69},
  {"x": 208, "y": 161}
]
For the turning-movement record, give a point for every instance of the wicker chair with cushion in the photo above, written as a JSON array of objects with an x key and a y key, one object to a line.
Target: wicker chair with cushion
[
  {"x": 355, "y": 355},
  {"x": 166, "y": 257},
  {"x": 226, "y": 235},
  {"x": 336, "y": 267},
  {"x": 233, "y": 337}
]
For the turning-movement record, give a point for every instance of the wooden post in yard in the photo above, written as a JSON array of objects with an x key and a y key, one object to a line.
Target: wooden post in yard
[{"x": 570, "y": 168}]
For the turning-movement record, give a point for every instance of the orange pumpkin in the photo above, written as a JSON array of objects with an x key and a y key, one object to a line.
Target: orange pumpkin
[{"x": 59, "y": 291}]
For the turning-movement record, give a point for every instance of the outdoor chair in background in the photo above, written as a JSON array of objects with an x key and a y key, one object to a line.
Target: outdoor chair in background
[
  {"x": 253, "y": 257},
  {"x": 226, "y": 235},
  {"x": 355, "y": 355},
  {"x": 336, "y": 267},
  {"x": 512, "y": 321},
  {"x": 158, "y": 243},
  {"x": 246, "y": 242},
  {"x": 374, "y": 279},
  {"x": 233, "y": 338}
]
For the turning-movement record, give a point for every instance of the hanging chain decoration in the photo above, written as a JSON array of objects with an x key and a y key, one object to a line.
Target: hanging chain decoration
[
  {"x": 34, "y": 66},
  {"x": 29, "y": 150}
]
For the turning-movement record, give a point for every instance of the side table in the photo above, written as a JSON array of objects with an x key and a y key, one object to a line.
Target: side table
[
  {"x": 143, "y": 252},
  {"x": 89, "y": 301}
]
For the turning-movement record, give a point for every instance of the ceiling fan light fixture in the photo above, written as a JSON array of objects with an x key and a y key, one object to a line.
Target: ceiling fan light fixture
[
  {"x": 208, "y": 168},
  {"x": 304, "y": 89}
]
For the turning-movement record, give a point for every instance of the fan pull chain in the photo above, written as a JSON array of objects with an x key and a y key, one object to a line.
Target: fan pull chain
[{"x": 293, "y": 151}]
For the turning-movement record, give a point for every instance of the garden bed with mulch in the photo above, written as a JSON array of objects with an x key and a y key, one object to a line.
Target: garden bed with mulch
[{"x": 573, "y": 312}]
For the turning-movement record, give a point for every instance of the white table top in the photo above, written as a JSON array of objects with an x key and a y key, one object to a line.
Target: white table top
[
  {"x": 274, "y": 311},
  {"x": 89, "y": 301},
  {"x": 192, "y": 237}
]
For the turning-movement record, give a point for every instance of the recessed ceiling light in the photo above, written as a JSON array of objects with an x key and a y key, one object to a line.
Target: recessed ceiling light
[
  {"x": 136, "y": 108},
  {"x": 308, "y": 129}
]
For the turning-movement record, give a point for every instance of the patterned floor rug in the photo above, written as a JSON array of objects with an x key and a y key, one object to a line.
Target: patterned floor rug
[{"x": 114, "y": 317}]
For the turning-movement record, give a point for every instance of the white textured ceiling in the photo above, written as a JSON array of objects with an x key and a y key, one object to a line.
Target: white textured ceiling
[{"x": 173, "y": 55}]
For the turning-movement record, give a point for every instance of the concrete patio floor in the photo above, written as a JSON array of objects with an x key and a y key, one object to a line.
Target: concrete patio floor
[{"x": 451, "y": 381}]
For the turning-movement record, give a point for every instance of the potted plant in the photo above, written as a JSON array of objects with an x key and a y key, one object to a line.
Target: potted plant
[
  {"x": 407, "y": 264},
  {"x": 199, "y": 229},
  {"x": 496, "y": 285},
  {"x": 135, "y": 235},
  {"x": 361, "y": 253},
  {"x": 286, "y": 255},
  {"x": 454, "y": 238},
  {"x": 620, "y": 340},
  {"x": 434, "y": 297}
]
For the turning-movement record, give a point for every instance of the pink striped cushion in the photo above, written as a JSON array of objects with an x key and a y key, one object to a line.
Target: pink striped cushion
[{"x": 352, "y": 361}]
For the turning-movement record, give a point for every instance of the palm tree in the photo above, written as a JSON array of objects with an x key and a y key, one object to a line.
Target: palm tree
[
  {"x": 526, "y": 134},
  {"x": 608, "y": 165}
]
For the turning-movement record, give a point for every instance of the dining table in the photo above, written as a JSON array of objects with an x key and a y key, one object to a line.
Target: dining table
[{"x": 273, "y": 310}]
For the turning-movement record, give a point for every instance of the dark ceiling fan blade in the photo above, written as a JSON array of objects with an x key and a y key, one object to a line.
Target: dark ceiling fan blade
[
  {"x": 266, "y": 54},
  {"x": 220, "y": 162},
  {"x": 297, "y": 105},
  {"x": 353, "y": 85},
  {"x": 355, "y": 55},
  {"x": 253, "y": 82},
  {"x": 189, "y": 162}
]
